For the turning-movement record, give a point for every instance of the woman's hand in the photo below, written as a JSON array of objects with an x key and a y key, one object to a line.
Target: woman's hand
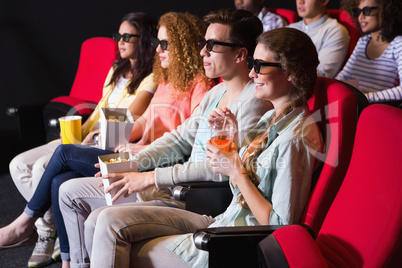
[
  {"x": 226, "y": 163},
  {"x": 218, "y": 112},
  {"x": 89, "y": 138},
  {"x": 132, "y": 148},
  {"x": 217, "y": 119},
  {"x": 131, "y": 182}
]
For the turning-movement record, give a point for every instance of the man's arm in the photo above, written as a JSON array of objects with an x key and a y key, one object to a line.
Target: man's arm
[{"x": 333, "y": 52}]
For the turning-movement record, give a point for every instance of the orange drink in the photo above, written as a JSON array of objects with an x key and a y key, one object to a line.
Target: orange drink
[
  {"x": 222, "y": 142},
  {"x": 223, "y": 130}
]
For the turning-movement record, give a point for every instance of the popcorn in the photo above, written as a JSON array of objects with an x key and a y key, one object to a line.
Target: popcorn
[
  {"x": 116, "y": 163},
  {"x": 115, "y": 160},
  {"x": 117, "y": 120},
  {"x": 116, "y": 125}
]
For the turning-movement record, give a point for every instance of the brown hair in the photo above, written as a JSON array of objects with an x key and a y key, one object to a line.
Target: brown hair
[
  {"x": 144, "y": 52},
  {"x": 298, "y": 57},
  {"x": 244, "y": 26},
  {"x": 185, "y": 61}
]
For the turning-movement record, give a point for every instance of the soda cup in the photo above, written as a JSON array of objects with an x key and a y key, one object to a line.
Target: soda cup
[{"x": 70, "y": 128}]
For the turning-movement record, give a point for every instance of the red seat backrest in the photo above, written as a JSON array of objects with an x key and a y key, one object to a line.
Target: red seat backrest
[
  {"x": 364, "y": 224},
  {"x": 334, "y": 106},
  {"x": 344, "y": 18},
  {"x": 96, "y": 58},
  {"x": 289, "y": 15}
]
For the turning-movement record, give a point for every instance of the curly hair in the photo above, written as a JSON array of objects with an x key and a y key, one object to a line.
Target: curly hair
[
  {"x": 143, "y": 52},
  {"x": 185, "y": 62},
  {"x": 298, "y": 57},
  {"x": 244, "y": 26},
  {"x": 390, "y": 16}
]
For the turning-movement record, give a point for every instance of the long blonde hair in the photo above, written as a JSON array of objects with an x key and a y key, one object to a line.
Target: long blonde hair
[{"x": 298, "y": 57}]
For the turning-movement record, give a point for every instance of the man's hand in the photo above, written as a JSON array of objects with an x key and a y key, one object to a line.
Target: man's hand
[{"x": 131, "y": 182}]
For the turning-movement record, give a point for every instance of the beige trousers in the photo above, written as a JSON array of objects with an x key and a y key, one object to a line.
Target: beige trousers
[{"x": 26, "y": 170}]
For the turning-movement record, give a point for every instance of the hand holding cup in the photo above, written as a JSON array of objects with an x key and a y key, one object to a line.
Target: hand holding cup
[{"x": 223, "y": 127}]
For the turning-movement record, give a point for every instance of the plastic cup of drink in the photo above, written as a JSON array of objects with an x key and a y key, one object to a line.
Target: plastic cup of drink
[
  {"x": 223, "y": 140},
  {"x": 223, "y": 131},
  {"x": 70, "y": 128}
]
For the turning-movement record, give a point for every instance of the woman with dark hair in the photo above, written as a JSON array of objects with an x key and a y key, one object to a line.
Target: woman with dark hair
[
  {"x": 143, "y": 52},
  {"x": 129, "y": 84},
  {"x": 375, "y": 66},
  {"x": 182, "y": 86},
  {"x": 270, "y": 177},
  {"x": 133, "y": 65}
]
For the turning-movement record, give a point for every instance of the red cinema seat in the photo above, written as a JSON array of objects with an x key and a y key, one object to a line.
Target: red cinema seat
[
  {"x": 290, "y": 16},
  {"x": 363, "y": 227},
  {"x": 39, "y": 123},
  {"x": 96, "y": 58}
]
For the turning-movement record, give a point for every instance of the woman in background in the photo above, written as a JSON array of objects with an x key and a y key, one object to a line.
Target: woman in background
[{"x": 375, "y": 66}]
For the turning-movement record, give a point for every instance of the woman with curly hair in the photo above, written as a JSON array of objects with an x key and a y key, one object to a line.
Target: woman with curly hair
[
  {"x": 178, "y": 69},
  {"x": 179, "y": 93},
  {"x": 376, "y": 62}
]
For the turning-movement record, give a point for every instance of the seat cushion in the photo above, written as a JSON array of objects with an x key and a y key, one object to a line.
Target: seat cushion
[{"x": 299, "y": 247}]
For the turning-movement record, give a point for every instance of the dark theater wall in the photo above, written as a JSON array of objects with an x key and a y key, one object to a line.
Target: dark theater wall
[{"x": 40, "y": 44}]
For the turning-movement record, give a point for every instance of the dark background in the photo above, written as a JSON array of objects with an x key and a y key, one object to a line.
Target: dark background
[{"x": 41, "y": 40}]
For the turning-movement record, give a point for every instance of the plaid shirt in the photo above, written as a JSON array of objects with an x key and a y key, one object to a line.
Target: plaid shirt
[{"x": 270, "y": 20}]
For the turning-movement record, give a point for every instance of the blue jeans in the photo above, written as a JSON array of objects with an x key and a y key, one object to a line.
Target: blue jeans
[{"x": 68, "y": 162}]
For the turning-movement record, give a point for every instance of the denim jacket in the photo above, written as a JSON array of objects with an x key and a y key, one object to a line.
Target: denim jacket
[{"x": 284, "y": 170}]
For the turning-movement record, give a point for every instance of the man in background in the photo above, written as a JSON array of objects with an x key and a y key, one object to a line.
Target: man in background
[
  {"x": 269, "y": 20},
  {"x": 329, "y": 37}
]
